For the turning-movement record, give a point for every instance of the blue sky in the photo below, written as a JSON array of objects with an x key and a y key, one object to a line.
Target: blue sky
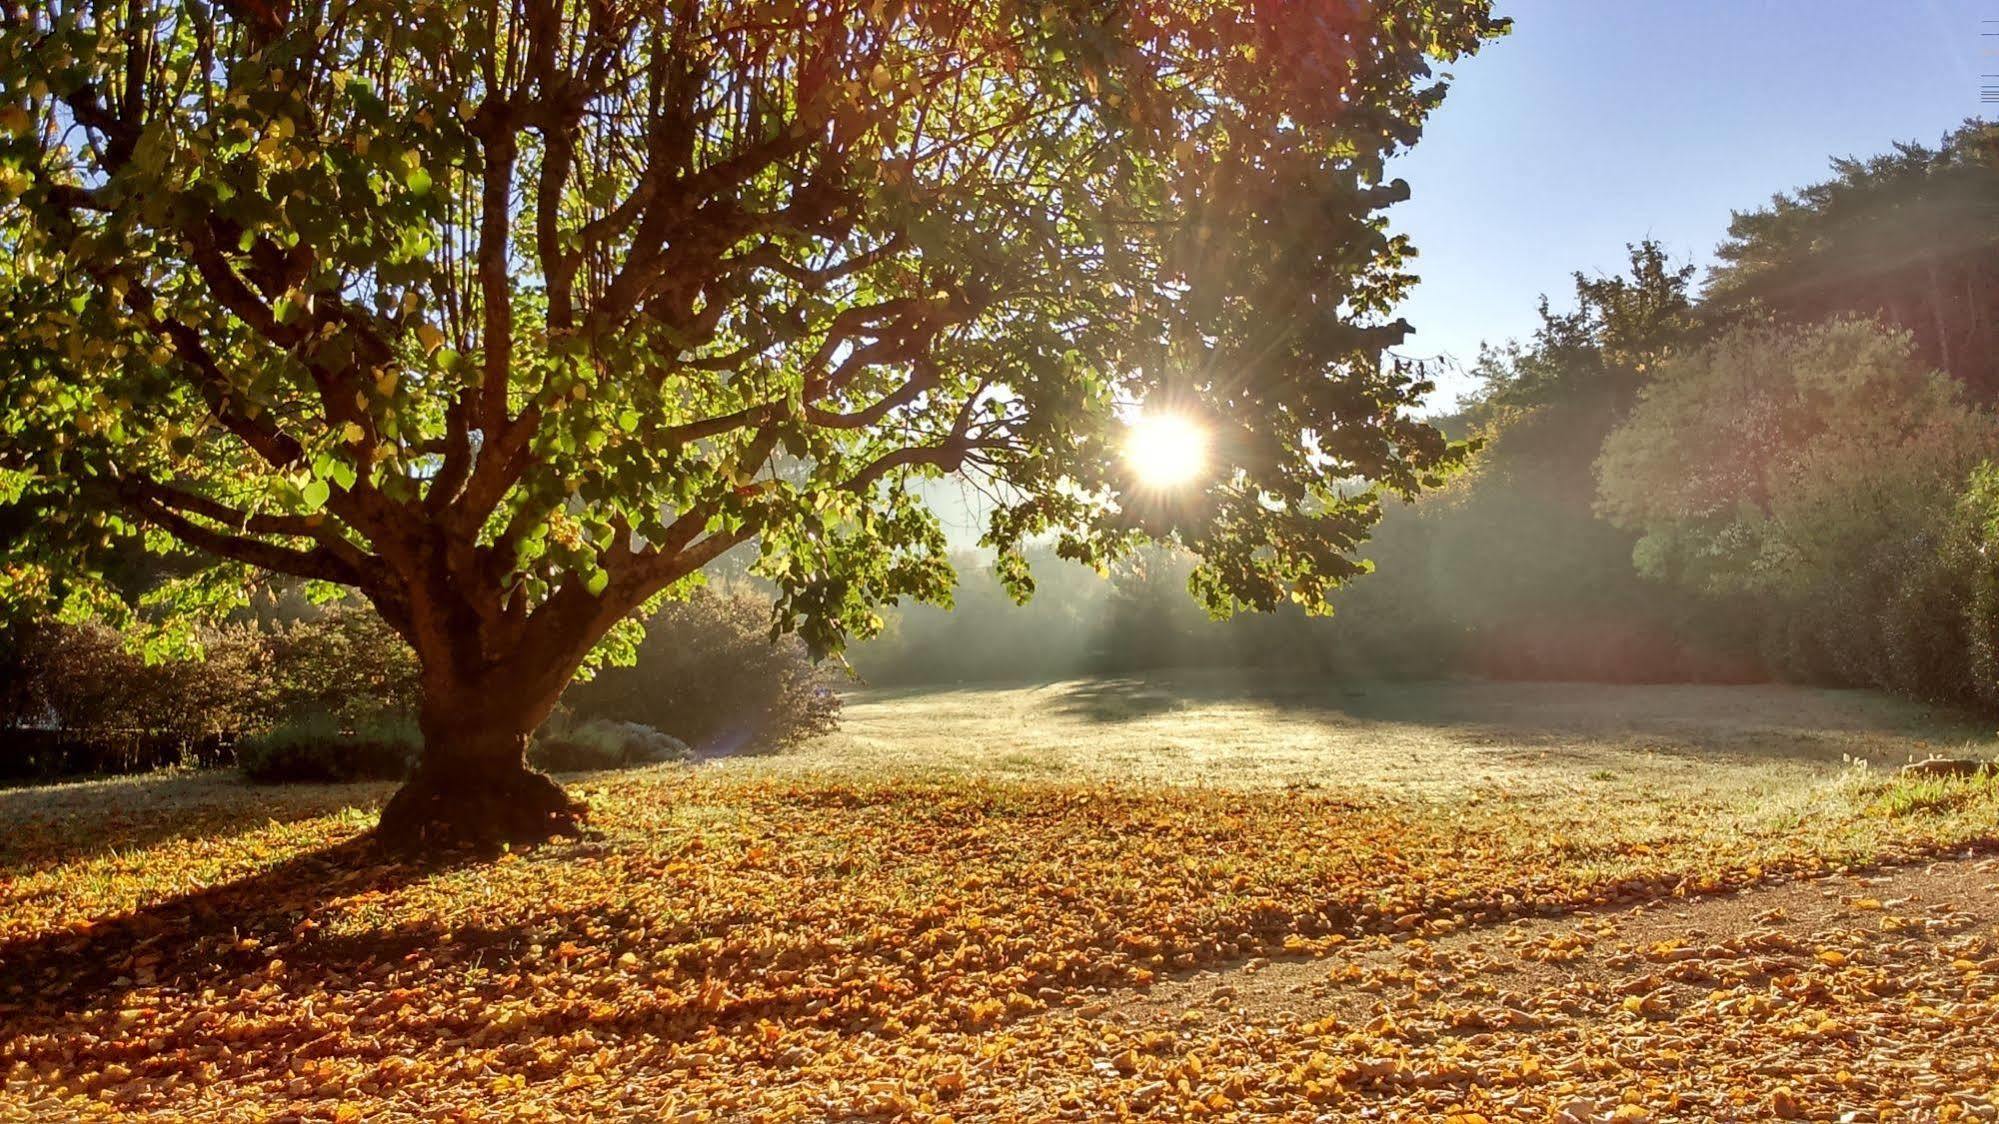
[{"x": 1600, "y": 122}]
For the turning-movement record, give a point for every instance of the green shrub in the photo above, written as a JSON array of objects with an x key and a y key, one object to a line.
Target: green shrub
[
  {"x": 79, "y": 699},
  {"x": 1978, "y": 524},
  {"x": 340, "y": 661},
  {"x": 322, "y": 748},
  {"x": 569, "y": 747},
  {"x": 88, "y": 685},
  {"x": 1924, "y": 622},
  {"x": 708, "y": 673}
]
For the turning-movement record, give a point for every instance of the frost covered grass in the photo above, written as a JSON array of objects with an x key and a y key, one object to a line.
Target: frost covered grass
[{"x": 1385, "y": 739}]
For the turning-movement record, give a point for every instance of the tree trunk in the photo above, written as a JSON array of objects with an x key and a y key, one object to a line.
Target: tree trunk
[
  {"x": 473, "y": 787},
  {"x": 1937, "y": 319}
]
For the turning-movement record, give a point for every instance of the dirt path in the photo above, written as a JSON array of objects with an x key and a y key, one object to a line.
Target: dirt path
[{"x": 1844, "y": 998}]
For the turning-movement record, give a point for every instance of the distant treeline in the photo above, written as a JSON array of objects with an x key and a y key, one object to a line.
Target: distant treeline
[{"x": 1783, "y": 476}]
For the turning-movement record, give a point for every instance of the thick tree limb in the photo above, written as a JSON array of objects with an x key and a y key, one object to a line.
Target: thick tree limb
[
  {"x": 260, "y": 523},
  {"x": 318, "y": 563}
]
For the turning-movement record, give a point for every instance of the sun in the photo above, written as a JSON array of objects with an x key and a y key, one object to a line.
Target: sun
[{"x": 1166, "y": 450}]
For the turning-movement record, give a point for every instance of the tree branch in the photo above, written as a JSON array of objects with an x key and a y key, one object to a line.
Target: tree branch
[
  {"x": 257, "y": 523},
  {"x": 319, "y": 563}
]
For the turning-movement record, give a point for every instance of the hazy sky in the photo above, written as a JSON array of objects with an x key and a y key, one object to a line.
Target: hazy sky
[{"x": 1601, "y": 122}]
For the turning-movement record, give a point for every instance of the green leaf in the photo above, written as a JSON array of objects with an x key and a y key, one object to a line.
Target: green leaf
[{"x": 315, "y": 494}]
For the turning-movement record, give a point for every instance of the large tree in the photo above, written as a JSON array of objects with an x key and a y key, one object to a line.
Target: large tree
[
  {"x": 1910, "y": 238},
  {"x": 513, "y": 315},
  {"x": 1774, "y": 458},
  {"x": 1818, "y": 474}
]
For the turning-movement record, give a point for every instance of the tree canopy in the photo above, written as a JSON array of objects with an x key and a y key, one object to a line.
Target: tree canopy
[
  {"x": 1512, "y": 558},
  {"x": 1772, "y": 456},
  {"x": 1909, "y": 237},
  {"x": 513, "y": 316}
]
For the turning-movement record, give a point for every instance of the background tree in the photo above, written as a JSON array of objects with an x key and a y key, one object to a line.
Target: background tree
[
  {"x": 1821, "y": 469},
  {"x": 502, "y": 314},
  {"x": 1910, "y": 238},
  {"x": 1823, "y": 525},
  {"x": 1512, "y": 556},
  {"x": 1772, "y": 453}
]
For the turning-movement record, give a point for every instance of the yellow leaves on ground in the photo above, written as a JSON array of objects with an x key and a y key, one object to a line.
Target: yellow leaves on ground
[{"x": 814, "y": 948}]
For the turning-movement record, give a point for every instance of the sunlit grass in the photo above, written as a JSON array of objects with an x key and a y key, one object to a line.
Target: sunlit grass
[{"x": 1400, "y": 740}]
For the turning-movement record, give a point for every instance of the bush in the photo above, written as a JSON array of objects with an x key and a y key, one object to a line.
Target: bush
[
  {"x": 1924, "y": 621},
  {"x": 84, "y": 683},
  {"x": 311, "y": 695},
  {"x": 600, "y": 743},
  {"x": 47, "y": 755},
  {"x": 76, "y": 699},
  {"x": 342, "y": 662},
  {"x": 1977, "y": 528},
  {"x": 708, "y": 672},
  {"x": 322, "y": 748}
]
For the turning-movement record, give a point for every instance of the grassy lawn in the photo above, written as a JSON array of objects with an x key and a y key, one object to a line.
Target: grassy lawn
[
  {"x": 1444, "y": 741},
  {"x": 938, "y": 911}
]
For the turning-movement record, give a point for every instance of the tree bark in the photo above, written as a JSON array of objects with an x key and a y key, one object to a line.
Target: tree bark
[
  {"x": 1937, "y": 319},
  {"x": 473, "y": 787}
]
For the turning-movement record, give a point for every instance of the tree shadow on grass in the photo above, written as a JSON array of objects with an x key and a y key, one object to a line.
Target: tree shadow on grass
[
  {"x": 1117, "y": 700},
  {"x": 54, "y": 825},
  {"x": 196, "y": 939}
]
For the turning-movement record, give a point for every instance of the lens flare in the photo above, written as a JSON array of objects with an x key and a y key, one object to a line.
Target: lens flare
[{"x": 1166, "y": 450}]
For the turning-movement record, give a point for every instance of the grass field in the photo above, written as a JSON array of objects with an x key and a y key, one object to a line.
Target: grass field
[
  {"x": 1173, "y": 898},
  {"x": 1391, "y": 739}
]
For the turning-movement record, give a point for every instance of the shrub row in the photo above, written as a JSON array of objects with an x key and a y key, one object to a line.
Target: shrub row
[
  {"x": 1917, "y": 615},
  {"x": 330, "y": 697},
  {"x": 321, "y": 749}
]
